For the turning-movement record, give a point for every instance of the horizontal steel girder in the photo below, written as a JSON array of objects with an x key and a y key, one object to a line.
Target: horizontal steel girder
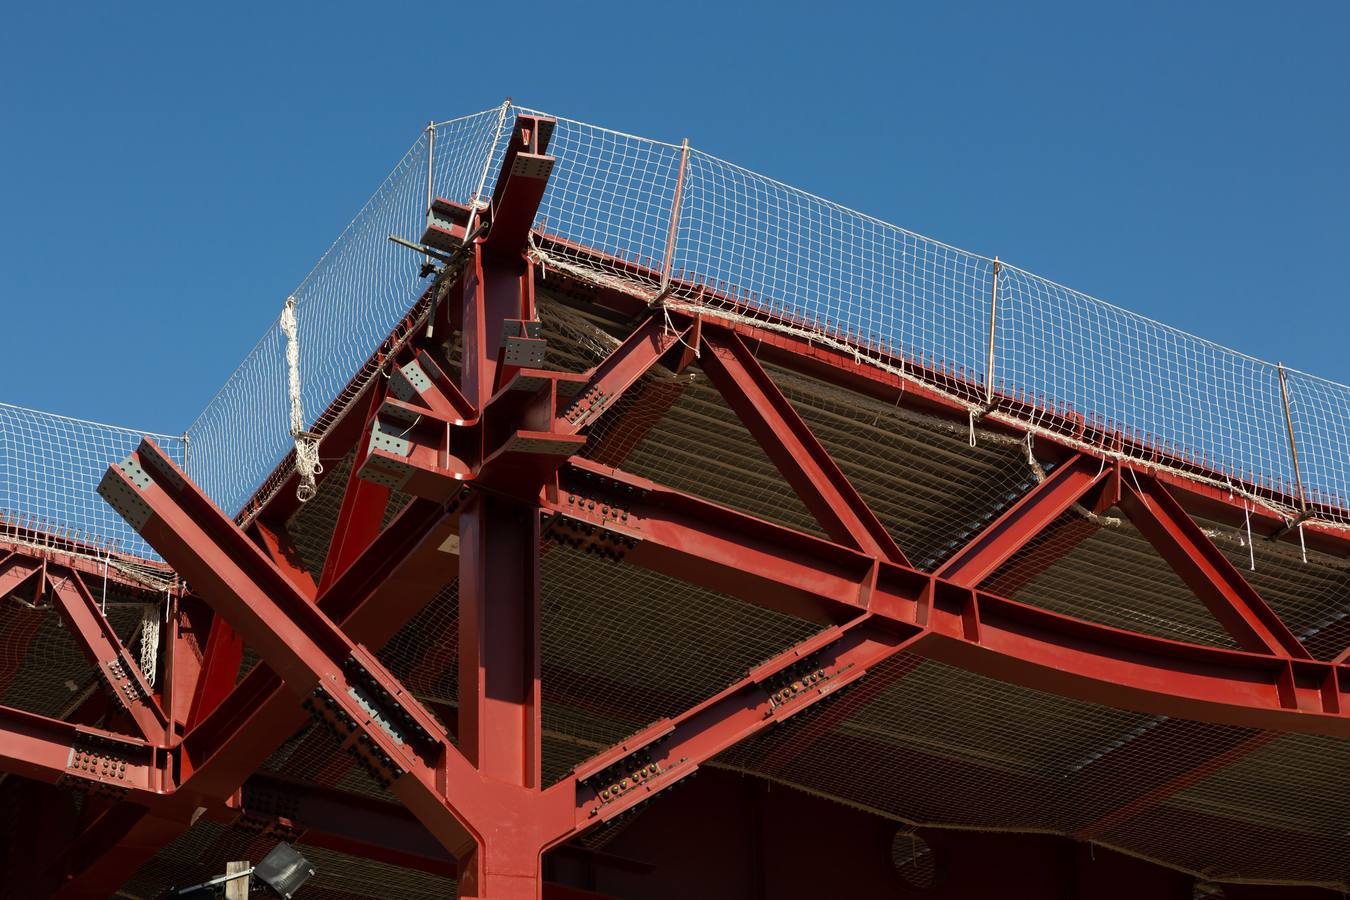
[
  {"x": 618, "y": 515},
  {"x": 87, "y": 759}
]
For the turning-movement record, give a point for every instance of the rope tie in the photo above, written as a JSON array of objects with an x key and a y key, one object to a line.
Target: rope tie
[{"x": 307, "y": 463}]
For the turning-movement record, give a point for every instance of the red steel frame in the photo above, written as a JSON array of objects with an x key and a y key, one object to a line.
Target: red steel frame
[{"x": 492, "y": 462}]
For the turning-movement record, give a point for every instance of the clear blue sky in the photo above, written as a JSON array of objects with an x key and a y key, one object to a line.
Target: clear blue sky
[{"x": 169, "y": 174}]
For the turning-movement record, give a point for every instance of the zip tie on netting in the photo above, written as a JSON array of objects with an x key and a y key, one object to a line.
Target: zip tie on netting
[
  {"x": 970, "y": 414},
  {"x": 307, "y": 463},
  {"x": 1031, "y": 457},
  {"x": 1302, "y": 546}
]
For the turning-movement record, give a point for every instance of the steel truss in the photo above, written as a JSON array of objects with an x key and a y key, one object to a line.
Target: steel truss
[{"x": 491, "y": 458}]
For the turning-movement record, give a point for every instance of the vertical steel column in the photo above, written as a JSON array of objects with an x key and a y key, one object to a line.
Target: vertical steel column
[
  {"x": 499, "y": 639},
  {"x": 498, "y": 728}
]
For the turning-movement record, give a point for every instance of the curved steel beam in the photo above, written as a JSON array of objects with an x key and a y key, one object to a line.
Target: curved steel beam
[{"x": 770, "y": 565}]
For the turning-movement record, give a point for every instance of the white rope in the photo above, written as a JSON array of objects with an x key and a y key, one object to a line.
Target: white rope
[
  {"x": 307, "y": 463},
  {"x": 149, "y": 643}
]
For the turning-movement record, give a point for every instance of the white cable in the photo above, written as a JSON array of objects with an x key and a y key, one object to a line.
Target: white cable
[{"x": 307, "y": 463}]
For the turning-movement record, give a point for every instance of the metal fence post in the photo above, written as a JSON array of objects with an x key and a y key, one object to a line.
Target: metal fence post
[
  {"x": 674, "y": 220},
  {"x": 431, "y": 156},
  {"x": 1293, "y": 446},
  {"x": 993, "y": 319}
]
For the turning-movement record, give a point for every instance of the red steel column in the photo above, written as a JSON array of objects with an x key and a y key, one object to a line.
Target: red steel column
[
  {"x": 499, "y": 682},
  {"x": 498, "y": 727}
]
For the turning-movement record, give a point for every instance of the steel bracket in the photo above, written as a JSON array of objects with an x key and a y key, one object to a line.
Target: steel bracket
[{"x": 98, "y": 765}]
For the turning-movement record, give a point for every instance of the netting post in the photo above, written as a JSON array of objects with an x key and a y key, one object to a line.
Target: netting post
[
  {"x": 431, "y": 155},
  {"x": 1289, "y": 431},
  {"x": 993, "y": 320},
  {"x": 674, "y": 219},
  {"x": 487, "y": 166}
]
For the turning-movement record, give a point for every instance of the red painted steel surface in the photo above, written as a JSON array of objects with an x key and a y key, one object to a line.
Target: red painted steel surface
[{"x": 505, "y": 459}]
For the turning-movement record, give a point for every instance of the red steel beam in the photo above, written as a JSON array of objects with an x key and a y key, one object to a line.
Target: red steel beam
[
  {"x": 218, "y": 671},
  {"x": 19, "y": 573},
  {"x": 1025, "y": 520},
  {"x": 519, "y": 188},
  {"x": 182, "y": 636},
  {"x": 1205, "y": 570},
  {"x": 691, "y": 539},
  {"x": 660, "y": 756},
  {"x": 361, "y": 513},
  {"x": 85, "y": 758},
  {"x": 342, "y": 821},
  {"x": 103, "y": 648},
  {"x": 498, "y": 725},
  {"x": 997, "y": 543},
  {"x": 804, "y": 463},
  {"x": 624, "y": 516},
  {"x": 341, "y": 683},
  {"x": 223, "y": 650},
  {"x": 619, "y": 371},
  {"x": 375, "y": 597}
]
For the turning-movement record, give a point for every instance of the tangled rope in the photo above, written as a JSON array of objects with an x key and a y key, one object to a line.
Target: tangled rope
[{"x": 307, "y": 463}]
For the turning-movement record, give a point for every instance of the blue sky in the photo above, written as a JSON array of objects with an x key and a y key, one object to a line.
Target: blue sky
[{"x": 170, "y": 172}]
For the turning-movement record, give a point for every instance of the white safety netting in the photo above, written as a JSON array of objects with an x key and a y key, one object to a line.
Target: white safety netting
[
  {"x": 347, "y": 305},
  {"x": 50, "y": 467},
  {"x": 667, "y": 222},
  {"x": 1012, "y": 346}
]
